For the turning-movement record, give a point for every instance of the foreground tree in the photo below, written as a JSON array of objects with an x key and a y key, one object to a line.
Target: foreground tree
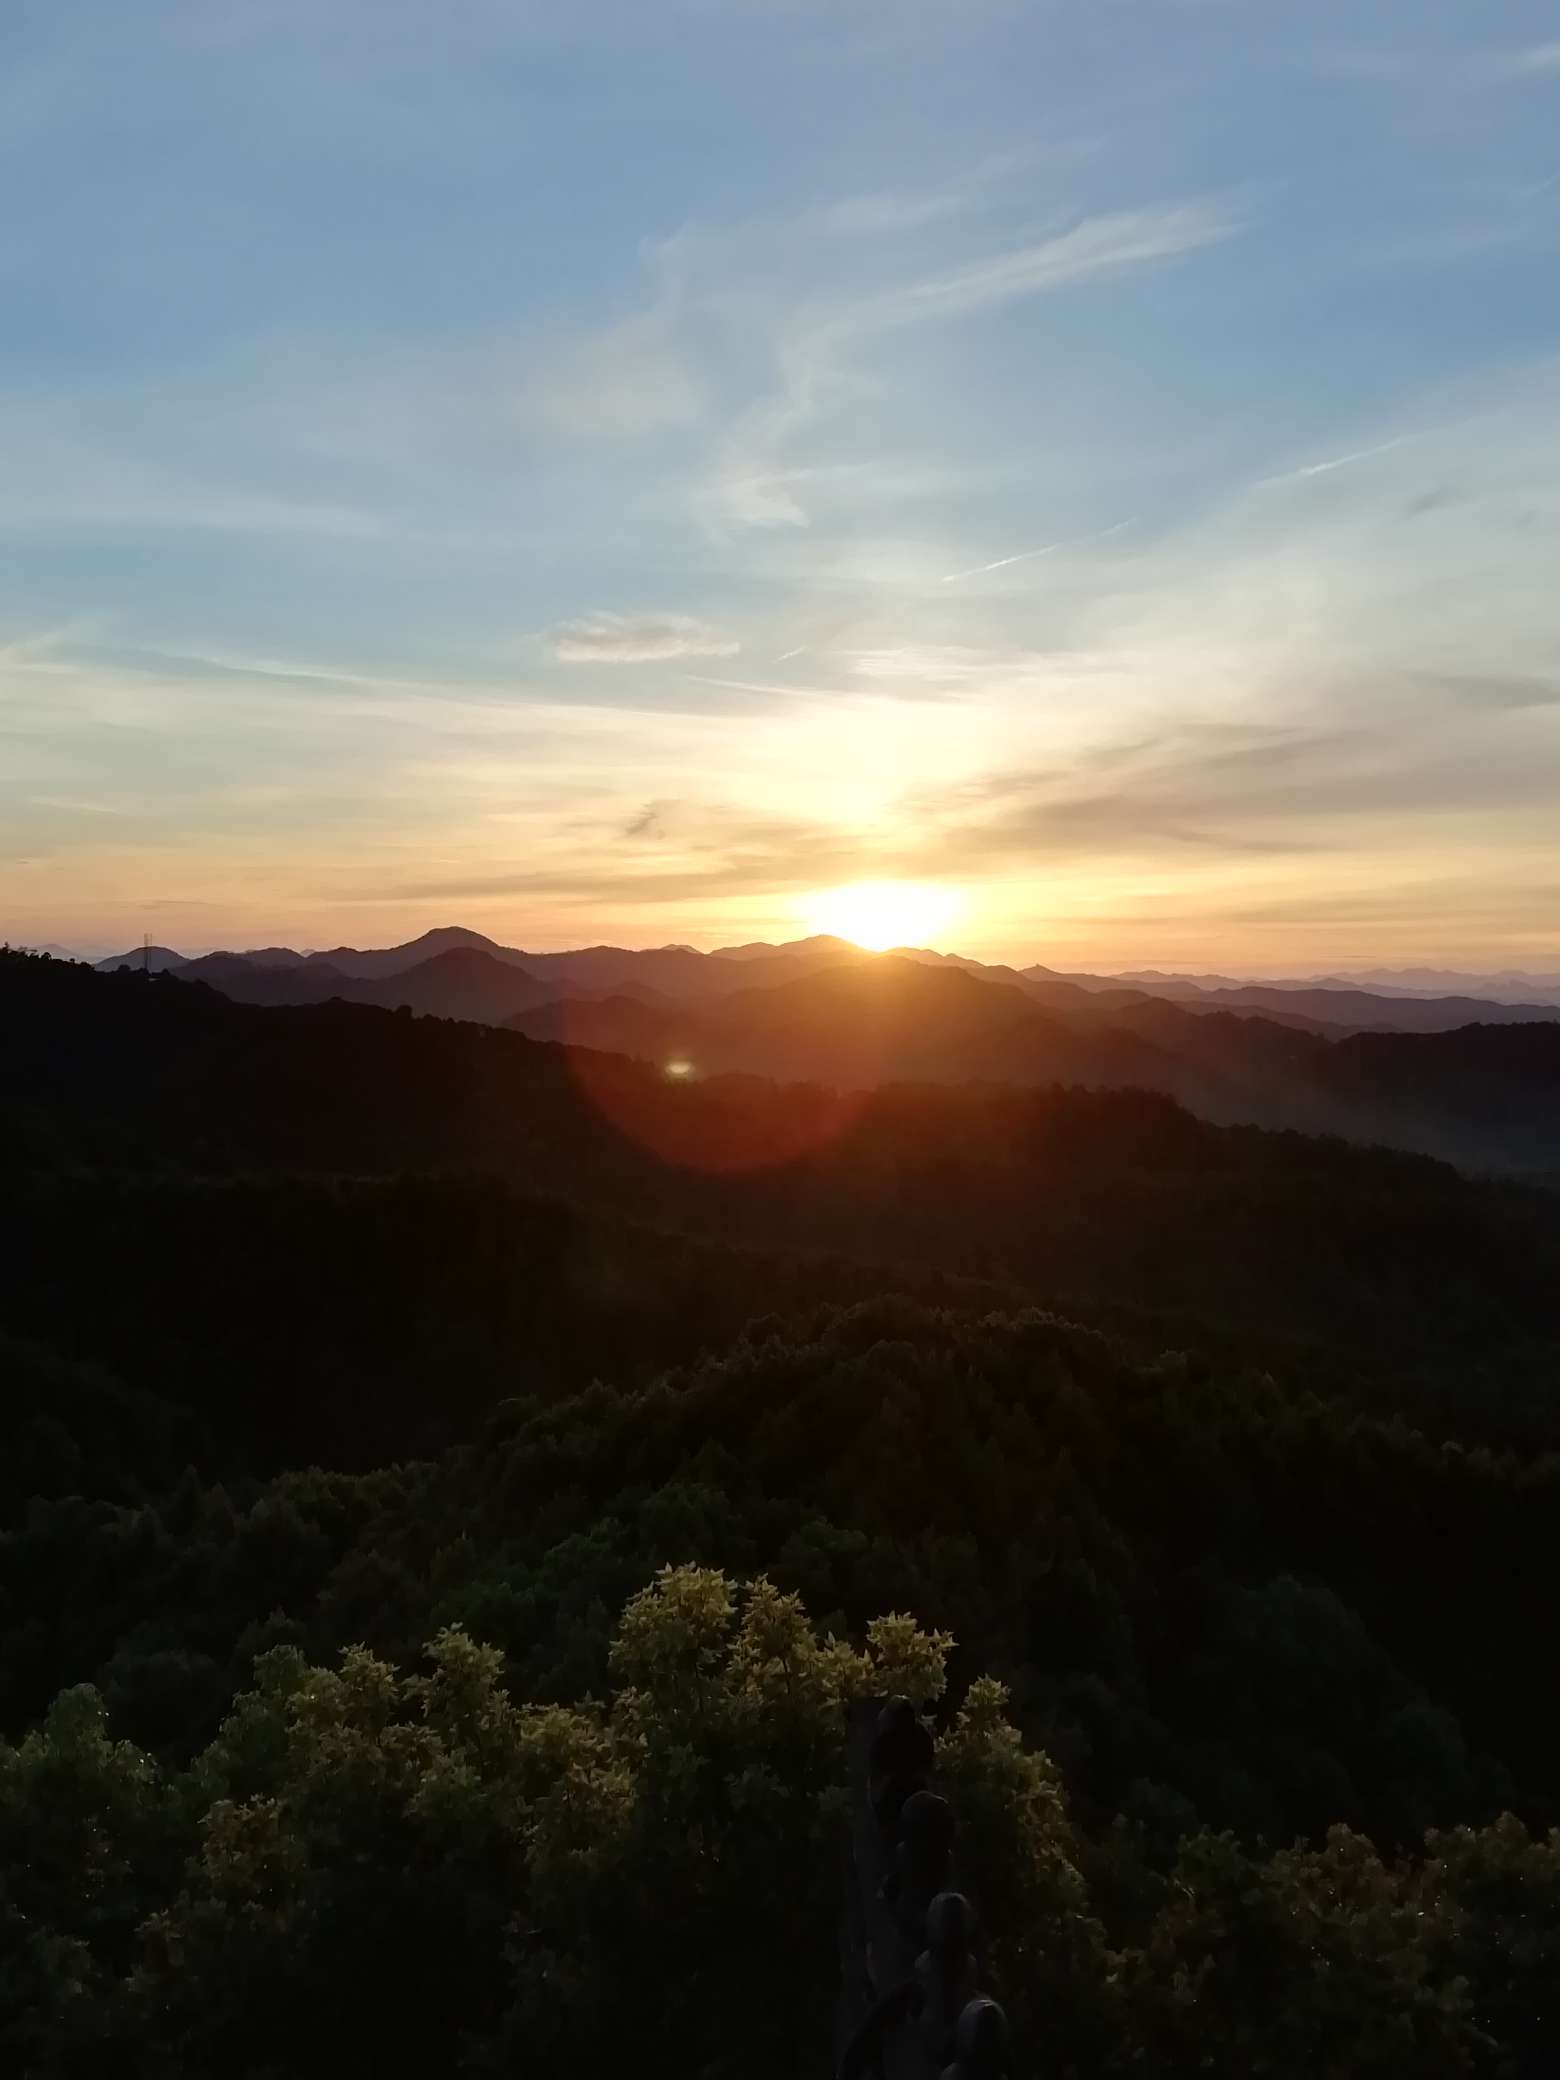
[
  {"x": 395, "y": 1867},
  {"x": 371, "y": 1871}
]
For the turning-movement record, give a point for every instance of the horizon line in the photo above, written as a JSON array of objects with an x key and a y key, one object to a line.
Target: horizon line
[{"x": 1189, "y": 968}]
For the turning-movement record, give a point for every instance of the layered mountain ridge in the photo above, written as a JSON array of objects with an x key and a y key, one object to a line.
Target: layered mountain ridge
[
  {"x": 1407, "y": 1000},
  {"x": 1471, "y": 1080}
]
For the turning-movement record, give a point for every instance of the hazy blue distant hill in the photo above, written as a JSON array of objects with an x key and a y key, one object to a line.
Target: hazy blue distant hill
[
  {"x": 1358, "y": 1004},
  {"x": 1355, "y": 1010},
  {"x": 1505, "y": 985},
  {"x": 1501, "y": 986}
]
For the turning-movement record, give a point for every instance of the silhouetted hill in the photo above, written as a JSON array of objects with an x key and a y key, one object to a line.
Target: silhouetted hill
[
  {"x": 1401, "y": 1001},
  {"x": 885, "y": 1019},
  {"x": 667, "y": 971},
  {"x": 824, "y": 1011},
  {"x": 1487, "y": 1087},
  {"x": 250, "y": 980},
  {"x": 1421, "y": 1287},
  {"x": 1232, "y": 1455},
  {"x": 658, "y": 1032},
  {"x": 461, "y": 982},
  {"x": 153, "y": 958},
  {"x": 821, "y": 946},
  {"x": 866, "y": 1022},
  {"x": 395, "y": 960},
  {"x": 656, "y": 972},
  {"x": 681, "y": 974}
]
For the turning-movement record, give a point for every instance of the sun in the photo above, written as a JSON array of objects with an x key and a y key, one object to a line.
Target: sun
[{"x": 879, "y": 914}]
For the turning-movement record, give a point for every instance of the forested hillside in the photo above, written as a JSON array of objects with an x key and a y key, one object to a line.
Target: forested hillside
[{"x": 365, "y": 1376}]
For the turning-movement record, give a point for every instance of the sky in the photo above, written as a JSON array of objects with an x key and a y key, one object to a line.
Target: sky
[{"x": 602, "y": 470}]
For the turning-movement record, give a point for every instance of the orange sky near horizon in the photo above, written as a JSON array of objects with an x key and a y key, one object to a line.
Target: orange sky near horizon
[
  {"x": 642, "y": 474},
  {"x": 1066, "y": 925}
]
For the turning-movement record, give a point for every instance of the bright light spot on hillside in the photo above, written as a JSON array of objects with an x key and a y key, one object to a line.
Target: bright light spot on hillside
[
  {"x": 679, "y": 1069},
  {"x": 878, "y": 914}
]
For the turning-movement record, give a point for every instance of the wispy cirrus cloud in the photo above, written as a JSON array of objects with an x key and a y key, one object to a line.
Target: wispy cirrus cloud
[
  {"x": 1097, "y": 246},
  {"x": 625, "y": 381},
  {"x": 887, "y": 211},
  {"x": 650, "y": 371},
  {"x": 819, "y": 357},
  {"x": 36, "y": 647},
  {"x": 637, "y": 639},
  {"x": 631, "y": 377},
  {"x": 914, "y": 664}
]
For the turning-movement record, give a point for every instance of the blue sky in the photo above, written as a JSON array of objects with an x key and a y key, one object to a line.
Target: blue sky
[{"x": 620, "y": 471}]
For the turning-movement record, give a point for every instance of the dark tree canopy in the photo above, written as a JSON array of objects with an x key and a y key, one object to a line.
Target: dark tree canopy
[{"x": 441, "y": 1537}]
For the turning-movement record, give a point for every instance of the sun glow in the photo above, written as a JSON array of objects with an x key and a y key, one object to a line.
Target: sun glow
[{"x": 880, "y": 914}]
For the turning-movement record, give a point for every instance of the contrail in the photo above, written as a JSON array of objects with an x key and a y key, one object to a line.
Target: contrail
[
  {"x": 1024, "y": 555},
  {"x": 1001, "y": 563},
  {"x": 1320, "y": 469}
]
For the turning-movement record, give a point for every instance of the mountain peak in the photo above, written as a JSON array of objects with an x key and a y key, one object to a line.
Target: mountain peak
[
  {"x": 766, "y": 949},
  {"x": 443, "y": 936},
  {"x": 153, "y": 958}
]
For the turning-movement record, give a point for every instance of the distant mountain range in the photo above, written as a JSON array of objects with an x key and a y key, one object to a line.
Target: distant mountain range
[
  {"x": 1403, "y": 1000},
  {"x": 1507, "y": 985},
  {"x": 1473, "y": 1079}
]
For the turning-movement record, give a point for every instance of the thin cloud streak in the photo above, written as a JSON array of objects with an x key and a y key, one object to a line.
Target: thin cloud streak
[
  {"x": 1322, "y": 469},
  {"x": 979, "y": 570},
  {"x": 637, "y": 639},
  {"x": 1098, "y": 246}
]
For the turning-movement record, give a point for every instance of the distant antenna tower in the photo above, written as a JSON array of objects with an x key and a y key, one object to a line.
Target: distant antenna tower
[{"x": 146, "y": 953}]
